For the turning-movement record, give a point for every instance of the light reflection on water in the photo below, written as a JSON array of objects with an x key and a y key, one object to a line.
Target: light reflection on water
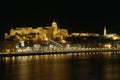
[{"x": 72, "y": 66}]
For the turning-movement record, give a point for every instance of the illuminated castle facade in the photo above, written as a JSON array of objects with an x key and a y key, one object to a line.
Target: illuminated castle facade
[{"x": 39, "y": 33}]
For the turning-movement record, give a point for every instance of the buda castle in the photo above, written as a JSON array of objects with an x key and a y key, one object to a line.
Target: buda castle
[{"x": 36, "y": 34}]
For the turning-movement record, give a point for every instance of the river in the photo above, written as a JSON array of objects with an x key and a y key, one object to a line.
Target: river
[{"x": 71, "y": 66}]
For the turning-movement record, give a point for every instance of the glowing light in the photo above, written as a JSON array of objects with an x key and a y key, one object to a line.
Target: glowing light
[
  {"x": 108, "y": 45},
  {"x": 46, "y": 39}
]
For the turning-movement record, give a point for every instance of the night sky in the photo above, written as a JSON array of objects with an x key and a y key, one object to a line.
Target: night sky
[{"x": 76, "y": 16}]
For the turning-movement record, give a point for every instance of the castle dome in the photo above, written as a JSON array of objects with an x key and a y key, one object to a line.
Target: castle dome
[{"x": 54, "y": 24}]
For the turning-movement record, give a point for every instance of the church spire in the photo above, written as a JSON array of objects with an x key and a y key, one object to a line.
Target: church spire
[{"x": 105, "y": 31}]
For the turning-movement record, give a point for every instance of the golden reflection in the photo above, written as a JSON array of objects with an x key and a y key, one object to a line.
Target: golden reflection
[
  {"x": 24, "y": 58},
  {"x": 44, "y": 56},
  {"x": 37, "y": 57},
  {"x": 23, "y": 70},
  {"x": 58, "y": 69},
  {"x": 19, "y": 58},
  {"x": 111, "y": 72},
  {"x": 7, "y": 59},
  {"x": 30, "y": 57},
  {"x": 81, "y": 55},
  {"x": 108, "y": 54},
  {"x": 69, "y": 54},
  {"x": 108, "y": 72},
  {"x": 13, "y": 59},
  {"x": 54, "y": 56}
]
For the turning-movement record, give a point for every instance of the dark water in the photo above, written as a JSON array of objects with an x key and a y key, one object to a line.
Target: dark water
[{"x": 76, "y": 66}]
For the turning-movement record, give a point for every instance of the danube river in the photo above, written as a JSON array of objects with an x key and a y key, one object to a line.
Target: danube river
[{"x": 71, "y": 66}]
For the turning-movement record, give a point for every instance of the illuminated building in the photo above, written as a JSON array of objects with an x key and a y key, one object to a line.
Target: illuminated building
[
  {"x": 112, "y": 36},
  {"x": 108, "y": 45},
  {"x": 84, "y": 34},
  {"x": 39, "y": 33}
]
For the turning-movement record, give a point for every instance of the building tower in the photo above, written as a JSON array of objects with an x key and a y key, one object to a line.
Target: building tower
[
  {"x": 105, "y": 31},
  {"x": 54, "y": 25},
  {"x": 55, "y": 29}
]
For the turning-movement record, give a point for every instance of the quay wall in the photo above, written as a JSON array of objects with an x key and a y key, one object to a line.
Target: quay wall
[{"x": 55, "y": 52}]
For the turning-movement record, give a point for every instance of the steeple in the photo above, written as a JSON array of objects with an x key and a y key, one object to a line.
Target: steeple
[{"x": 105, "y": 31}]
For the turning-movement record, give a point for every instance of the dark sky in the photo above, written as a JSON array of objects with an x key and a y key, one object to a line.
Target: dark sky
[{"x": 76, "y": 16}]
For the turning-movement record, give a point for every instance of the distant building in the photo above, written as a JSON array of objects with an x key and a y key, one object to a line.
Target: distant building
[
  {"x": 39, "y": 33},
  {"x": 84, "y": 34},
  {"x": 112, "y": 36}
]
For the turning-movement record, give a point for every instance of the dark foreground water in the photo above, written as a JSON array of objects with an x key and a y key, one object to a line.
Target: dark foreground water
[{"x": 76, "y": 66}]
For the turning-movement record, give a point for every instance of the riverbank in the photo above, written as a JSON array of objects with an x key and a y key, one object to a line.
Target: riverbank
[{"x": 56, "y": 52}]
